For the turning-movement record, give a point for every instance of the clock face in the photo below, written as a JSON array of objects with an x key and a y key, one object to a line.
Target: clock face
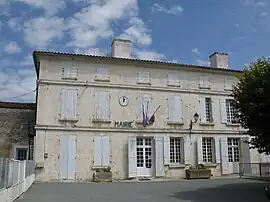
[{"x": 123, "y": 101}]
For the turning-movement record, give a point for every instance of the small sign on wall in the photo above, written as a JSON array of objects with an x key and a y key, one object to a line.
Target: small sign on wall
[{"x": 123, "y": 124}]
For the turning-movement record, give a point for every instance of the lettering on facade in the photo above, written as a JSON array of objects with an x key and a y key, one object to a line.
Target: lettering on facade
[{"x": 123, "y": 124}]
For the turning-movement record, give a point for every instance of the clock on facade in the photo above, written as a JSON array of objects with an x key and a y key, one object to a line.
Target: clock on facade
[{"x": 123, "y": 101}]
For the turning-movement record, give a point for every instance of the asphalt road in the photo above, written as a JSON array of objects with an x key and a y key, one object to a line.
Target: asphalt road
[{"x": 221, "y": 190}]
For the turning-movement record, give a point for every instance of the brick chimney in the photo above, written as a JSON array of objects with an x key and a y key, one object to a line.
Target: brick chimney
[
  {"x": 121, "y": 48},
  {"x": 219, "y": 60}
]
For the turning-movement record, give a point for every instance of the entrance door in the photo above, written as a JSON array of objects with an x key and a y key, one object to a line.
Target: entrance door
[
  {"x": 233, "y": 155},
  {"x": 144, "y": 157},
  {"x": 67, "y": 157}
]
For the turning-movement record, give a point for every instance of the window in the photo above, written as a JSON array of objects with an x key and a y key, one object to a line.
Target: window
[
  {"x": 69, "y": 104},
  {"x": 175, "y": 150},
  {"x": 143, "y": 78},
  {"x": 173, "y": 79},
  {"x": 69, "y": 73},
  {"x": 101, "y": 151},
  {"x": 144, "y": 102},
  {"x": 233, "y": 150},
  {"x": 230, "y": 111},
  {"x": 204, "y": 82},
  {"x": 102, "y": 74},
  {"x": 207, "y": 150},
  {"x": 175, "y": 109},
  {"x": 208, "y": 110},
  {"x": 102, "y": 106},
  {"x": 21, "y": 154}
]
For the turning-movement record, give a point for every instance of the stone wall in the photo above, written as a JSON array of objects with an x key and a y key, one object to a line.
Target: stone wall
[{"x": 17, "y": 122}]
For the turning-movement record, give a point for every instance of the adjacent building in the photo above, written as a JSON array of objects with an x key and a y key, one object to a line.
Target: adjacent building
[{"x": 91, "y": 112}]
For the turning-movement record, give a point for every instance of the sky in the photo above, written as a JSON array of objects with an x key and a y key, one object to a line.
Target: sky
[{"x": 182, "y": 31}]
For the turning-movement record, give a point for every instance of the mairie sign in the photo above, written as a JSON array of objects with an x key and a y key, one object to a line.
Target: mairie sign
[{"x": 123, "y": 124}]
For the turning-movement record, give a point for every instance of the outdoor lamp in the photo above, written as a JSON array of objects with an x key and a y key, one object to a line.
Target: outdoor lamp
[{"x": 196, "y": 117}]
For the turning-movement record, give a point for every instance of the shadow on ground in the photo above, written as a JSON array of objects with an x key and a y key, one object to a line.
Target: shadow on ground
[{"x": 246, "y": 192}]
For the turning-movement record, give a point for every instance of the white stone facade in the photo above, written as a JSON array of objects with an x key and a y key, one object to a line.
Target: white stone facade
[{"x": 91, "y": 129}]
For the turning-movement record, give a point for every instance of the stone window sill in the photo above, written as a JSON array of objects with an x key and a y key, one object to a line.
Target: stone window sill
[
  {"x": 206, "y": 123},
  {"x": 205, "y": 87},
  {"x": 101, "y": 121},
  {"x": 68, "y": 119},
  {"x": 145, "y": 83},
  {"x": 177, "y": 166},
  {"x": 70, "y": 78},
  {"x": 208, "y": 165},
  {"x": 233, "y": 124},
  {"x": 102, "y": 79},
  {"x": 175, "y": 123}
]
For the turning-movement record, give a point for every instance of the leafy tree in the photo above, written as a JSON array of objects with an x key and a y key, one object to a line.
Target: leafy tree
[{"x": 252, "y": 96}]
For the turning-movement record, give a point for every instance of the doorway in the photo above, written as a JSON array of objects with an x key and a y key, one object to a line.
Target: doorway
[{"x": 233, "y": 155}]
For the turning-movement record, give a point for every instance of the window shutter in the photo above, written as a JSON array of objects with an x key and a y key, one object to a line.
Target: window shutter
[
  {"x": 217, "y": 149},
  {"x": 139, "y": 107},
  {"x": 97, "y": 150},
  {"x": 64, "y": 103},
  {"x": 132, "y": 157},
  {"x": 187, "y": 150},
  {"x": 73, "y": 72},
  {"x": 104, "y": 100},
  {"x": 143, "y": 77},
  {"x": 175, "y": 109},
  {"x": 71, "y": 167},
  {"x": 105, "y": 151},
  {"x": 201, "y": 81},
  {"x": 73, "y": 96},
  {"x": 63, "y": 157},
  {"x": 166, "y": 149},
  {"x": 159, "y": 157},
  {"x": 245, "y": 155},
  {"x": 66, "y": 72},
  {"x": 102, "y": 73},
  {"x": 173, "y": 79},
  {"x": 223, "y": 114},
  {"x": 199, "y": 150},
  {"x": 224, "y": 155},
  {"x": 97, "y": 106},
  {"x": 202, "y": 110},
  {"x": 208, "y": 83}
]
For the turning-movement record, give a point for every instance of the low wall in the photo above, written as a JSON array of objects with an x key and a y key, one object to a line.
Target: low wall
[{"x": 15, "y": 191}]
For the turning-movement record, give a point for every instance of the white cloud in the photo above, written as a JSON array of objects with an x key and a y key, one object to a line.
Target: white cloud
[
  {"x": 40, "y": 32},
  {"x": 14, "y": 24},
  {"x": 12, "y": 47},
  {"x": 203, "y": 62},
  {"x": 174, "y": 10},
  {"x": 195, "y": 50},
  {"x": 150, "y": 55}
]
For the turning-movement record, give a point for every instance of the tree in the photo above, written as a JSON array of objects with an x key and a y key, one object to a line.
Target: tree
[{"x": 252, "y": 96}]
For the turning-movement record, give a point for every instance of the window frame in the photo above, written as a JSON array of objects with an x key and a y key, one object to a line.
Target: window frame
[
  {"x": 174, "y": 155},
  {"x": 208, "y": 156},
  {"x": 15, "y": 147},
  {"x": 230, "y": 111},
  {"x": 208, "y": 117}
]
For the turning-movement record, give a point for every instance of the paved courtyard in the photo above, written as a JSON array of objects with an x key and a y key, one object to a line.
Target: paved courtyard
[{"x": 221, "y": 190}]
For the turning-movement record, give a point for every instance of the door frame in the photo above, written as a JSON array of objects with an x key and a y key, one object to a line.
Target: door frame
[{"x": 234, "y": 167}]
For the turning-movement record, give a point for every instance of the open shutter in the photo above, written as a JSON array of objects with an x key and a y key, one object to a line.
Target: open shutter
[
  {"x": 223, "y": 114},
  {"x": 64, "y": 103},
  {"x": 139, "y": 107},
  {"x": 104, "y": 100},
  {"x": 97, "y": 106},
  {"x": 224, "y": 155},
  {"x": 63, "y": 157},
  {"x": 202, "y": 110},
  {"x": 245, "y": 155},
  {"x": 71, "y": 156},
  {"x": 187, "y": 150},
  {"x": 98, "y": 151},
  {"x": 199, "y": 150},
  {"x": 166, "y": 150},
  {"x": 105, "y": 151},
  {"x": 217, "y": 149},
  {"x": 73, "y": 96},
  {"x": 159, "y": 157},
  {"x": 132, "y": 157}
]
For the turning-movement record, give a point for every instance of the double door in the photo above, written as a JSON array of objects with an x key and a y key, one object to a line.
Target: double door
[{"x": 233, "y": 155}]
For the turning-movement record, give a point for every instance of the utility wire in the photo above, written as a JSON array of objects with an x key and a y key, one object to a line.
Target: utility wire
[{"x": 10, "y": 98}]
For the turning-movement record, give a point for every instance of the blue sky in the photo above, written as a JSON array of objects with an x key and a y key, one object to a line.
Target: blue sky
[{"x": 185, "y": 31}]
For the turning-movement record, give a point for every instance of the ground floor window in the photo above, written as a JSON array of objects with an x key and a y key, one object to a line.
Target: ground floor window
[
  {"x": 234, "y": 149},
  {"x": 175, "y": 150},
  {"x": 208, "y": 149}
]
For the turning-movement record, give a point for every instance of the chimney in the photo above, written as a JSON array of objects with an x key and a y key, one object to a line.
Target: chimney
[
  {"x": 121, "y": 48},
  {"x": 219, "y": 60}
]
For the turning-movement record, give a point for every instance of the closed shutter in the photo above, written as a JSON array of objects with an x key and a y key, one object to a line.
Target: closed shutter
[
  {"x": 72, "y": 100},
  {"x": 66, "y": 72},
  {"x": 143, "y": 77},
  {"x": 173, "y": 79},
  {"x": 217, "y": 149},
  {"x": 104, "y": 100},
  {"x": 64, "y": 142},
  {"x": 132, "y": 157},
  {"x": 202, "y": 110},
  {"x": 159, "y": 157},
  {"x": 102, "y": 73},
  {"x": 201, "y": 84},
  {"x": 64, "y": 103},
  {"x": 199, "y": 150},
  {"x": 224, "y": 155},
  {"x": 71, "y": 157},
  {"x": 175, "y": 109},
  {"x": 222, "y": 107},
  {"x": 73, "y": 72},
  {"x": 166, "y": 145},
  {"x": 187, "y": 150},
  {"x": 98, "y": 150},
  {"x": 105, "y": 151}
]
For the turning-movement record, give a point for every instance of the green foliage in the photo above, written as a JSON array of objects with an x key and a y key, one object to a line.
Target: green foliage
[{"x": 252, "y": 96}]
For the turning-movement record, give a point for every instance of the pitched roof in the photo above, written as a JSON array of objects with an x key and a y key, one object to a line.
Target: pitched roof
[
  {"x": 17, "y": 105},
  {"x": 39, "y": 53}
]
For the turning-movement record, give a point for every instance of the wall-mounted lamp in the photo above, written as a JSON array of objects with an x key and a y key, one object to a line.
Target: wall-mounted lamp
[{"x": 192, "y": 122}]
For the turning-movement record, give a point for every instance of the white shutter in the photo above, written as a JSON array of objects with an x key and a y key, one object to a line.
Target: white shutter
[
  {"x": 71, "y": 156},
  {"x": 104, "y": 100},
  {"x": 63, "y": 157},
  {"x": 66, "y": 72},
  {"x": 166, "y": 149},
  {"x": 73, "y": 72},
  {"x": 105, "y": 151},
  {"x": 139, "y": 107},
  {"x": 102, "y": 73},
  {"x": 208, "y": 83},
  {"x": 217, "y": 149},
  {"x": 223, "y": 114},
  {"x": 201, "y": 82},
  {"x": 175, "y": 109},
  {"x": 202, "y": 110},
  {"x": 143, "y": 77},
  {"x": 173, "y": 79},
  {"x": 73, "y": 96},
  {"x": 64, "y": 103},
  {"x": 97, "y": 150},
  {"x": 199, "y": 150},
  {"x": 97, "y": 106},
  {"x": 187, "y": 150},
  {"x": 224, "y": 155},
  {"x": 132, "y": 157},
  {"x": 159, "y": 157}
]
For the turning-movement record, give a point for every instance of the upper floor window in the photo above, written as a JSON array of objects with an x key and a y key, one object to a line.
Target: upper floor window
[
  {"x": 102, "y": 106},
  {"x": 206, "y": 114},
  {"x": 228, "y": 84},
  {"x": 143, "y": 78},
  {"x": 102, "y": 74},
  {"x": 230, "y": 111},
  {"x": 69, "y": 72},
  {"x": 205, "y": 83},
  {"x": 175, "y": 112},
  {"x": 173, "y": 79},
  {"x": 69, "y": 104}
]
